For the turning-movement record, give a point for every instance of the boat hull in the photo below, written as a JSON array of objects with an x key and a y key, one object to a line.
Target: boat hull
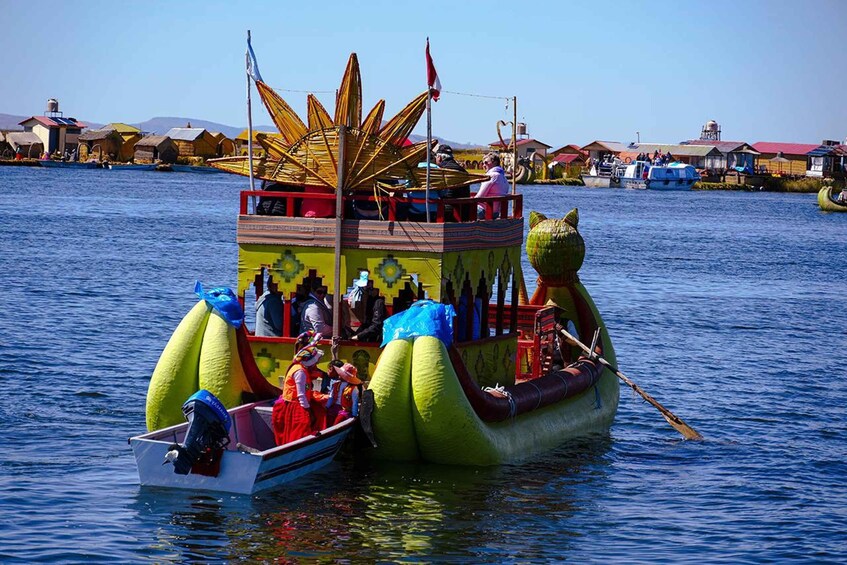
[
  {"x": 423, "y": 413},
  {"x": 827, "y": 202},
  {"x": 240, "y": 472},
  {"x": 113, "y": 167},
  {"x": 68, "y": 164},
  {"x": 663, "y": 185},
  {"x": 595, "y": 181}
]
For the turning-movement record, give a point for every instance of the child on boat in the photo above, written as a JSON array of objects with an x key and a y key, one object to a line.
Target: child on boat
[{"x": 343, "y": 401}]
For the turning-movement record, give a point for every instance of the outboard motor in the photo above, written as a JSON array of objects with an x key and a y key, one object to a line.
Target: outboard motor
[{"x": 206, "y": 436}]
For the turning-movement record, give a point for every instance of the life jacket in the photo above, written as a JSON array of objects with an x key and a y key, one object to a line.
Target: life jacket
[
  {"x": 341, "y": 394},
  {"x": 289, "y": 386}
]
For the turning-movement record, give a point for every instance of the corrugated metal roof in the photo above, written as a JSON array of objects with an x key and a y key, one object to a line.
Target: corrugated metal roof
[
  {"x": 519, "y": 143},
  {"x": 611, "y": 146},
  {"x": 675, "y": 149},
  {"x": 786, "y": 148},
  {"x": 55, "y": 122},
  {"x": 185, "y": 134},
  {"x": 567, "y": 158},
  {"x": 723, "y": 146}
]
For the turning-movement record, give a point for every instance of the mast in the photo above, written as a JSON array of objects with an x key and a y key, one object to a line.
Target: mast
[
  {"x": 428, "y": 144},
  {"x": 514, "y": 143},
  {"x": 336, "y": 295},
  {"x": 249, "y": 119}
]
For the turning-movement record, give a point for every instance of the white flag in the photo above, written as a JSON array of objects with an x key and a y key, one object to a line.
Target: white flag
[{"x": 252, "y": 65}]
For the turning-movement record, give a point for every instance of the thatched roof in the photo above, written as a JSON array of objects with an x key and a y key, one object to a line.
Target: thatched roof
[
  {"x": 22, "y": 138},
  {"x": 98, "y": 134},
  {"x": 153, "y": 141}
]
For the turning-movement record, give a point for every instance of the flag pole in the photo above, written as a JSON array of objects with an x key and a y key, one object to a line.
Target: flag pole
[
  {"x": 428, "y": 134},
  {"x": 249, "y": 120},
  {"x": 428, "y": 145},
  {"x": 514, "y": 143}
]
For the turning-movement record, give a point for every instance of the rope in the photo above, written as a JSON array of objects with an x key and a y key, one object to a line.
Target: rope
[
  {"x": 275, "y": 89},
  {"x": 506, "y": 98},
  {"x": 538, "y": 390}
]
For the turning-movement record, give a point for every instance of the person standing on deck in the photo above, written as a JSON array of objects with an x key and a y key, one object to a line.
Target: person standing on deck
[
  {"x": 269, "y": 311},
  {"x": 496, "y": 185}
]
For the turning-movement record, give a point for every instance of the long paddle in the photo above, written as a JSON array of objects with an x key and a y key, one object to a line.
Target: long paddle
[{"x": 687, "y": 431}]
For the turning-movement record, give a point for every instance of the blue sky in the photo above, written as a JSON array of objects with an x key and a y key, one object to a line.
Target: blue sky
[{"x": 765, "y": 70}]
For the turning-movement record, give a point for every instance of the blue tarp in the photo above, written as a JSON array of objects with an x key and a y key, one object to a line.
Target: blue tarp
[
  {"x": 224, "y": 301},
  {"x": 423, "y": 318}
]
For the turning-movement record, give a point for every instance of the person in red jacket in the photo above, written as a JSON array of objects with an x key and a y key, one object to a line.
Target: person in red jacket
[{"x": 299, "y": 412}]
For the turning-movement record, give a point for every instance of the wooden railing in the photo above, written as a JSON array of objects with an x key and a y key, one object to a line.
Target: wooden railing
[{"x": 394, "y": 207}]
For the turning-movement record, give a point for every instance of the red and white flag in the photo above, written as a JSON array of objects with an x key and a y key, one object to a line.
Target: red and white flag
[{"x": 432, "y": 79}]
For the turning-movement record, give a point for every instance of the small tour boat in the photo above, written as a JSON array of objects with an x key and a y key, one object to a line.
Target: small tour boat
[
  {"x": 131, "y": 167},
  {"x": 829, "y": 202},
  {"x": 245, "y": 459},
  {"x": 193, "y": 169},
  {"x": 68, "y": 164},
  {"x": 603, "y": 175},
  {"x": 673, "y": 176}
]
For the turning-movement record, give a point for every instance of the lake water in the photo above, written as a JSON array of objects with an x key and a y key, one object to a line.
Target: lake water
[{"x": 729, "y": 308}]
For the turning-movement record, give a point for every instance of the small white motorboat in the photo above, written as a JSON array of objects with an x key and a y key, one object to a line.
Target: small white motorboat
[
  {"x": 230, "y": 450},
  {"x": 673, "y": 176}
]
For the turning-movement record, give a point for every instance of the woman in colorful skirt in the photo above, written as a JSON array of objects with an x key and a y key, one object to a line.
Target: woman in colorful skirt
[{"x": 298, "y": 412}]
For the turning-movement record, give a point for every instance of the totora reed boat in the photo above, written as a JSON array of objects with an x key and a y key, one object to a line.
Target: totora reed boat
[
  {"x": 829, "y": 202},
  {"x": 500, "y": 385}
]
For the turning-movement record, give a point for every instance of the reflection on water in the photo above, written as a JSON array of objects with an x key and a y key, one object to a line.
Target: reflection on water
[{"x": 385, "y": 511}]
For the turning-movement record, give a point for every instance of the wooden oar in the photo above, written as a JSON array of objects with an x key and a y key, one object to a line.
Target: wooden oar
[{"x": 687, "y": 431}]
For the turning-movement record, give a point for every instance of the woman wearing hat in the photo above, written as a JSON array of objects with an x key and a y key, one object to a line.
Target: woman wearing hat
[
  {"x": 298, "y": 412},
  {"x": 343, "y": 399}
]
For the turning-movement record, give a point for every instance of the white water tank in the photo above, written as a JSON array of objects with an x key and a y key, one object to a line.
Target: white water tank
[
  {"x": 52, "y": 105},
  {"x": 521, "y": 129}
]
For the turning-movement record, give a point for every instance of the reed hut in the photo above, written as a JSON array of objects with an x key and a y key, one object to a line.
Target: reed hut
[
  {"x": 105, "y": 143},
  {"x": 5, "y": 150},
  {"x": 225, "y": 146},
  {"x": 241, "y": 142},
  {"x": 25, "y": 142},
  {"x": 194, "y": 142},
  {"x": 156, "y": 148}
]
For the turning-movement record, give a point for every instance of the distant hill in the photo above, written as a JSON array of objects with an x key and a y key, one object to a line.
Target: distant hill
[
  {"x": 161, "y": 125},
  {"x": 10, "y": 122}
]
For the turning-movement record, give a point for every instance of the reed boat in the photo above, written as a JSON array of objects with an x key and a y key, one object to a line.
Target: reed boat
[
  {"x": 499, "y": 386},
  {"x": 829, "y": 202}
]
